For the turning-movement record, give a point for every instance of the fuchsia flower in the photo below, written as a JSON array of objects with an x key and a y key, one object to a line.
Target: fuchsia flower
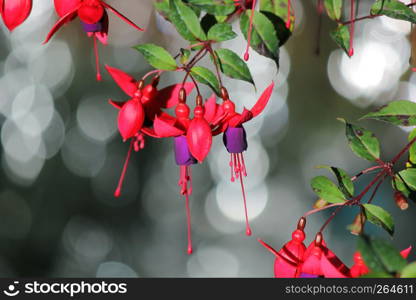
[
  {"x": 15, "y": 12},
  {"x": 93, "y": 17},
  {"x": 137, "y": 115},
  {"x": 234, "y": 137}
]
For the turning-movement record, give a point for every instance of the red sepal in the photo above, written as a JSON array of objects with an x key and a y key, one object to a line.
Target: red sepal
[
  {"x": 126, "y": 82},
  {"x": 15, "y": 12}
]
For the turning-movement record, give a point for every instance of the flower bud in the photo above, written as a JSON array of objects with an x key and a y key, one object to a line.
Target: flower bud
[
  {"x": 357, "y": 225},
  {"x": 400, "y": 200}
]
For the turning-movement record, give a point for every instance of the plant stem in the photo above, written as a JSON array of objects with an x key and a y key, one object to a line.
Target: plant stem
[
  {"x": 403, "y": 151},
  {"x": 365, "y": 172},
  {"x": 313, "y": 211}
]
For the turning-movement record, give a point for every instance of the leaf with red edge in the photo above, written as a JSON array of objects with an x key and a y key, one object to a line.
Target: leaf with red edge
[
  {"x": 210, "y": 108},
  {"x": 163, "y": 129},
  {"x": 126, "y": 82},
  {"x": 130, "y": 118},
  {"x": 61, "y": 22},
  {"x": 263, "y": 100},
  {"x": 169, "y": 96},
  {"x": 199, "y": 138},
  {"x": 62, "y": 7},
  {"x": 15, "y": 12}
]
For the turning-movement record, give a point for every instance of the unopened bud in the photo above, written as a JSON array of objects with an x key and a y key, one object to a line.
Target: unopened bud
[
  {"x": 302, "y": 223},
  {"x": 401, "y": 200},
  {"x": 357, "y": 225}
]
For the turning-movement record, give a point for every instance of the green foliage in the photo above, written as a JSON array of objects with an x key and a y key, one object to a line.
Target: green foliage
[
  {"x": 233, "y": 66},
  {"x": 333, "y": 8},
  {"x": 327, "y": 190},
  {"x": 341, "y": 36},
  {"x": 221, "y": 32},
  {"x": 186, "y": 21},
  {"x": 394, "y": 9},
  {"x": 157, "y": 57},
  {"x": 400, "y": 112},
  {"x": 214, "y": 7},
  {"x": 344, "y": 180},
  {"x": 205, "y": 76},
  {"x": 409, "y": 271},
  {"x": 379, "y": 216}
]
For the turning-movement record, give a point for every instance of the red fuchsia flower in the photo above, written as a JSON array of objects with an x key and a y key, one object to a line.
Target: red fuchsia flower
[
  {"x": 93, "y": 17},
  {"x": 360, "y": 268},
  {"x": 15, "y": 12},
  {"x": 137, "y": 115},
  {"x": 235, "y": 138}
]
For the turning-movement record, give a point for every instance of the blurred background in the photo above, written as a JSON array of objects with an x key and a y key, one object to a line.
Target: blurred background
[{"x": 61, "y": 154}]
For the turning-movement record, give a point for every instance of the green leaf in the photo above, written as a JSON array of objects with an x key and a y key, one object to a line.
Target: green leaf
[
  {"x": 412, "y": 150},
  {"x": 162, "y": 7},
  {"x": 400, "y": 112},
  {"x": 369, "y": 256},
  {"x": 327, "y": 190},
  {"x": 341, "y": 36},
  {"x": 207, "y": 22},
  {"x": 409, "y": 271},
  {"x": 333, "y": 8},
  {"x": 157, "y": 57},
  {"x": 283, "y": 33},
  {"x": 379, "y": 216},
  {"x": 377, "y": 275},
  {"x": 389, "y": 256},
  {"x": 205, "y": 76},
  {"x": 264, "y": 38},
  {"x": 185, "y": 54},
  {"x": 186, "y": 21},
  {"x": 362, "y": 142},
  {"x": 233, "y": 66},
  {"x": 278, "y": 8},
  {"x": 215, "y": 7},
  {"x": 409, "y": 176},
  {"x": 393, "y": 9},
  {"x": 344, "y": 180},
  {"x": 221, "y": 32}
]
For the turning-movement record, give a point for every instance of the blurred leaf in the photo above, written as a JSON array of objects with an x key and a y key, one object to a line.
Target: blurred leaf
[
  {"x": 327, "y": 190},
  {"x": 400, "y": 112},
  {"x": 221, "y": 32},
  {"x": 264, "y": 38},
  {"x": 162, "y": 7},
  {"x": 157, "y": 57},
  {"x": 341, "y": 36},
  {"x": 362, "y": 142},
  {"x": 380, "y": 217},
  {"x": 389, "y": 256},
  {"x": 215, "y": 7},
  {"x": 377, "y": 275},
  {"x": 186, "y": 21},
  {"x": 333, "y": 8},
  {"x": 185, "y": 54},
  {"x": 278, "y": 8},
  {"x": 205, "y": 76},
  {"x": 344, "y": 180},
  {"x": 393, "y": 9},
  {"x": 233, "y": 66},
  {"x": 283, "y": 34},
  {"x": 409, "y": 271},
  {"x": 369, "y": 256},
  {"x": 412, "y": 150},
  {"x": 409, "y": 176}
]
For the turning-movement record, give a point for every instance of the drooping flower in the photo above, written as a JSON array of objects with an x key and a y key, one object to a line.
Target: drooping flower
[
  {"x": 15, "y": 12},
  {"x": 235, "y": 138},
  {"x": 289, "y": 258},
  {"x": 137, "y": 115},
  {"x": 93, "y": 17}
]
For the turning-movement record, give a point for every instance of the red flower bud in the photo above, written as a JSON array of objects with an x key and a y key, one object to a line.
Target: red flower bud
[
  {"x": 199, "y": 135},
  {"x": 130, "y": 118},
  {"x": 15, "y": 12},
  {"x": 401, "y": 200}
]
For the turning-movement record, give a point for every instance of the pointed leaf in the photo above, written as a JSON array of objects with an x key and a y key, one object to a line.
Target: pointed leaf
[
  {"x": 278, "y": 8},
  {"x": 394, "y": 9},
  {"x": 157, "y": 57},
  {"x": 369, "y": 256},
  {"x": 409, "y": 177},
  {"x": 380, "y": 217},
  {"x": 283, "y": 33},
  {"x": 205, "y": 76},
  {"x": 362, "y": 142},
  {"x": 221, "y": 32},
  {"x": 333, "y": 8},
  {"x": 341, "y": 36},
  {"x": 327, "y": 190},
  {"x": 412, "y": 150},
  {"x": 186, "y": 21},
  {"x": 389, "y": 256},
  {"x": 233, "y": 66},
  {"x": 344, "y": 181},
  {"x": 400, "y": 112}
]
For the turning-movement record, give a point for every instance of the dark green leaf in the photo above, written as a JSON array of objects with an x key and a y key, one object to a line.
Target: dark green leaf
[
  {"x": 409, "y": 176},
  {"x": 409, "y": 271},
  {"x": 283, "y": 34},
  {"x": 186, "y": 21},
  {"x": 207, "y": 22},
  {"x": 278, "y": 8},
  {"x": 393, "y": 9},
  {"x": 327, "y": 190},
  {"x": 333, "y": 8},
  {"x": 389, "y": 256},
  {"x": 344, "y": 181},
  {"x": 221, "y": 32},
  {"x": 362, "y": 142},
  {"x": 264, "y": 38},
  {"x": 158, "y": 57},
  {"x": 233, "y": 66},
  {"x": 370, "y": 258},
  {"x": 412, "y": 150},
  {"x": 400, "y": 112},
  {"x": 205, "y": 76},
  {"x": 379, "y": 216},
  {"x": 215, "y": 7},
  {"x": 341, "y": 36}
]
